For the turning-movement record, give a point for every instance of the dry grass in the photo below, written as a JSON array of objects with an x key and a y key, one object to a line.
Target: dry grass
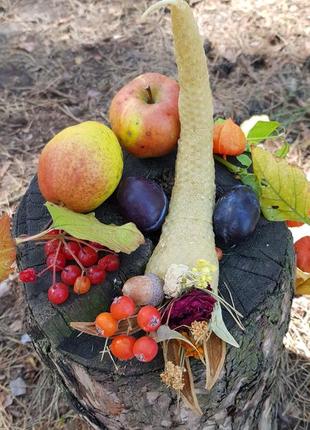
[{"x": 60, "y": 63}]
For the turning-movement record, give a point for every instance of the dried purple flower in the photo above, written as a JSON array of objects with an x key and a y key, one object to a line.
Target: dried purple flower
[{"x": 197, "y": 305}]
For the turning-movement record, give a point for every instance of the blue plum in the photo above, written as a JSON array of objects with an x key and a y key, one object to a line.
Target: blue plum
[
  {"x": 143, "y": 202},
  {"x": 236, "y": 215}
]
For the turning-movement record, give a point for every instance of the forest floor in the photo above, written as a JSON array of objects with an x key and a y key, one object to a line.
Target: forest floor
[{"x": 62, "y": 61}]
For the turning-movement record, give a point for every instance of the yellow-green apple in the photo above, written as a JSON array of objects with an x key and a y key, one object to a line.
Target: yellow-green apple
[
  {"x": 81, "y": 166},
  {"x": 144, "y": 115}
]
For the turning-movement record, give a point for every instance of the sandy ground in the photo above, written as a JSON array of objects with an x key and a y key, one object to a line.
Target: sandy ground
[{"x": 62, "y": 61}]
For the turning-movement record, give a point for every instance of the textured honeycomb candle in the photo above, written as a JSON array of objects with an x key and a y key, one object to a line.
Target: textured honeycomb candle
[{"x": 187, "y": 234}]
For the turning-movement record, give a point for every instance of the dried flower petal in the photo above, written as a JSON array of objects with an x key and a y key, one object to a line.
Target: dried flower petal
[{"x": 196, "y": 305}]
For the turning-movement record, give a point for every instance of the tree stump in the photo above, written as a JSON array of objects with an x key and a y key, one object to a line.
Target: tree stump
[{"x": 259, "y": 274}]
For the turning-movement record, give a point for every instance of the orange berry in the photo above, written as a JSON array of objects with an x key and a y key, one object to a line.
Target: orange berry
[
  {"x": 122, "y": 307},
  {"x": 148, "y": 318},
  {"x": 122, "y": 347},
  {"x": 105, "y": 324},
  {"x": 81, "y": 285},
  {"x": 145, "y": 349}
]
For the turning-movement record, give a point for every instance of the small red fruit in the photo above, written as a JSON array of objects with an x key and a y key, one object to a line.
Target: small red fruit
[
  {"x": 51, "y": 247},
  {"x": 82, "y": 285},
  {"x": 219, "y": 253},
  {"x": 70, "y": 273},
  {"x": 58, "y": 293},
  {"x": 71, "y": 248},
  {"x": 87, "y": 256},
  {"x": 59, "y": 262},
  {"x": 122, "y": 307},
  {"x": 122, "y": 347},
  {"x": 145, "y": 349},
  {"x": 294, "y": 223},
  {"x": 28, "y": 275},
  {"x": 148, "y": 318},
  {"x": 302, "y": 250},
  {"x": 105, "y": 324},
  {"x": 96, "y": 275},
  {"x": 109, "y": 263},
  {"x": 54, "y": 232}
]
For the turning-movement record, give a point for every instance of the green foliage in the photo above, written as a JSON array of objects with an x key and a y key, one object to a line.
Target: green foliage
[
  {"x": 261, "y": 131},
  {"x": 125, "y": 238}
]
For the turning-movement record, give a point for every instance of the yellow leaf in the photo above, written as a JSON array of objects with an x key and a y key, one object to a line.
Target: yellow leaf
[
  {"x": 302, "y": 284},
  {"x": 7, "y": 248},
  {"x": 284, "y": 189}
]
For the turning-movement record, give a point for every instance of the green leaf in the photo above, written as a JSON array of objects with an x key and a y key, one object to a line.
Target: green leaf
[
  {"x": 262, "y": 130},
  {"x": 248, "y": 124},
  {"x": 244, "y": 159},
  {"x": 284, "y": 189},
  {"x": 250, "y": 180},
  {"x": 165, "y": 333},
  {"x": 283, "y": 151},
  {"x": 219, "y": 121},
  {"x": 125, "y": 238},
  {"x": 218, "y": 326}
]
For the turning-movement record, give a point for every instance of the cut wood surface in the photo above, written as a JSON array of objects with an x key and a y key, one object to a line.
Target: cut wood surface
[{"x": 259, "y": 275}]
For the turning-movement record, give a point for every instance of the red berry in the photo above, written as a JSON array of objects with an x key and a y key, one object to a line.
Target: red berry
[
  {"x": 302, "y": 250},
  {"x": 70, "y": 273},
  {"x": 145, "y": 349},
  {"x": 294, "y": 223},
  {"x": 82, "y": 285},
  {"x": 105, "y": 324},
  {"x": 87, "y": 256},
  {"x": 71, "y": 248},
  {"x": 110, "y": 263},
  {"x": 148, "y": 318},
  {"x": 122, "y": 347},
  {"x": 96, "y": 275},
  {"x": 28, "y": 275},
  {"x": 59, "y": 262},
  {"x": 51, "y": 247},
  {"x": 58, "y": 293},
  {"x": 96, "y": 245},
  {"x": 54, "y": 232},
  {"x": 122, "y": 307}
]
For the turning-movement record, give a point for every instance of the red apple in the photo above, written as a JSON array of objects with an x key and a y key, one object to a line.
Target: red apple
[{"x": 144, "y": 115}]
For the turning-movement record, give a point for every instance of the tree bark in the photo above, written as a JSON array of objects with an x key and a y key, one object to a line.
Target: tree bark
[{"x": 259, "y": 274}]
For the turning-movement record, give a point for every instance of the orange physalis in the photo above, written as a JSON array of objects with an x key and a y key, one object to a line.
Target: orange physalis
[{"x": 228, "y": 138}]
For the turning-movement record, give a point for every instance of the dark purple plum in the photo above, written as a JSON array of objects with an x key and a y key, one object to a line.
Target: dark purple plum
[
  {"x": 143, "y": 202},
  {"x": 236, "y": 215}
]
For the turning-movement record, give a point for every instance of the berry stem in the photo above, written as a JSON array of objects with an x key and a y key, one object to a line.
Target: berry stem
[
  {"x": 104, "y": 249},
  {"x": 42, "y": 235},
  {"x": 54, "y": 265},
  {"x": 73, "y": 256},
  {"x": 231, "y": 167}
]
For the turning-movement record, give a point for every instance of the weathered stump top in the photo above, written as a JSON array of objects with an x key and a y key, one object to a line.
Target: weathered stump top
[{"x": 251, "y": 271}]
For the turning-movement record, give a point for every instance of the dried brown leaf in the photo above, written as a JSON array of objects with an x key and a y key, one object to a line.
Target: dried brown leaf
[
  {"x": 7, "y": 248},
  {"x": 215, "y": 352},
  {"x": 173, "y": 352}
]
